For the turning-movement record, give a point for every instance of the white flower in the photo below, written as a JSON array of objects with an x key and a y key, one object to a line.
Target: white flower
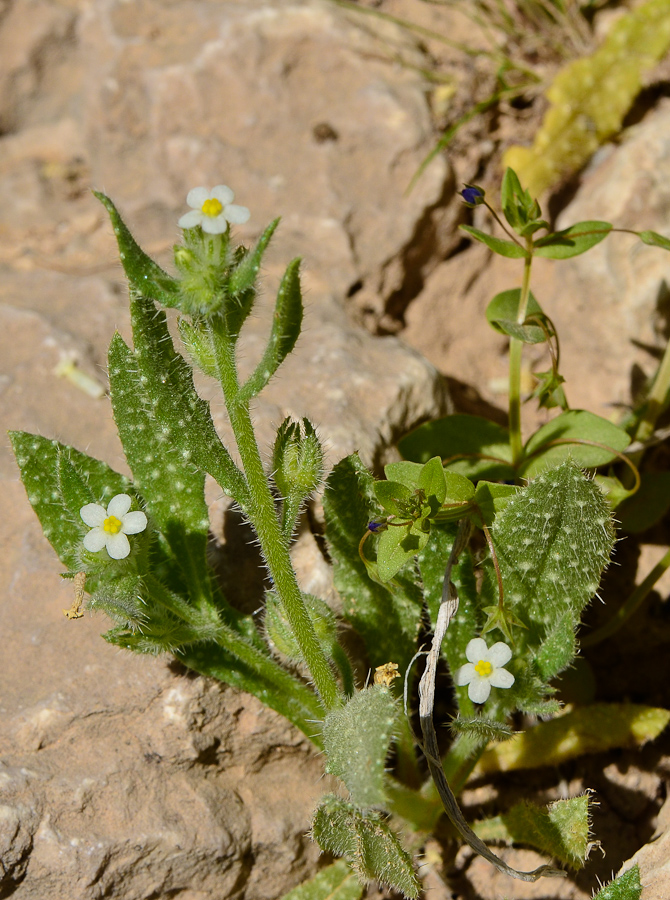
[
  {"x": 213, "y": 210},
  {"x": 110, "y": 526},
  {"x": 484, "y": 669}
]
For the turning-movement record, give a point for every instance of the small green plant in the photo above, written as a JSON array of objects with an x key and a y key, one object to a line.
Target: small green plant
[{"x": 402, "y": 547}]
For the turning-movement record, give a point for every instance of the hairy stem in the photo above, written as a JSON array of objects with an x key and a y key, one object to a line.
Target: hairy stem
[{"x": 263, "y": 517}]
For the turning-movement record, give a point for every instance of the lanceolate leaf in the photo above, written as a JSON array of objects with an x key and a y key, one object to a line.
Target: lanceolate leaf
[
  {"x": 356, "y": 738},
  {"x": 173, "y": 488},
  {"x": 587, "y": 729},
  {"x": 38, "y": 460},
  {"x": 572, "y": 241},
  {"x": 560, "y": 829},
  {"x": 335, "y": 882},
  {"x": 366, "y": 842},
  {"x": 184, "y": 418},
  {"x": 242, "y": 284},
  {"x": 286, "y": 324},
  {"x": 144, "y": 275},
  {"x": 625, "y": 887},
  {"x": 499, "y": 246}
]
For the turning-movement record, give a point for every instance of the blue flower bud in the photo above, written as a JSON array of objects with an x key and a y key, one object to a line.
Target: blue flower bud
[
  {"x": 472, "y": 195},
  {"x": 374, "y": 527}
]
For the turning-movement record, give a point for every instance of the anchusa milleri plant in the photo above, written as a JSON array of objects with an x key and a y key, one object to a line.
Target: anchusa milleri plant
[{"x": 492, "y": 545}]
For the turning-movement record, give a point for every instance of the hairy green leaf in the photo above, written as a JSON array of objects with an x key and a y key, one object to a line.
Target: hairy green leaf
[
  {"x": 356, "y": 738},
  {"x": 335, "y": 882},
  {"x": 286, "y": 324},
  {"x": 366, "y": 842},
  {"x": 560, "y": 829}
]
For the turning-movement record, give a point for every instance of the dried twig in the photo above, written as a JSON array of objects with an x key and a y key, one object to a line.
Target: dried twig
[{"x": 448, "y": 609}]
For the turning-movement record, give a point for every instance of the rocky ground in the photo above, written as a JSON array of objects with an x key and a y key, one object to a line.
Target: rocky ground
[{"x": 131, "y": 778}]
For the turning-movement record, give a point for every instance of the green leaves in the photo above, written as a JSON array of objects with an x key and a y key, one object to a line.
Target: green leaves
[
  {"x": 553, "y": 541},
  {"x": 144, "y": 275},
  {"x": 572, "y": 241},
  {"x": 587, "y": 729},
  {"x": 386, "y": 616},
  {"x": 178, "y": 415},
  {"x": 335, "y": 882},
  {"x": 286, "y": 325},
  {"x": 625, "y": 887},
  {"x": 501, "y": 314},
  {"x": 59, "y": 480},
  {"x": 573, "y": 435},
  {"x": 499, "y": 246},
  {"x": 478, "y": 448},
  {"x": 424, "y": 494},
  {"x": 366, "y": 842},
  {"x": 470, "y": 445},
  {"x": 357, "y": 739},
  {"x": 560, "y": 829},
  {"x": 654, "y": 239}
]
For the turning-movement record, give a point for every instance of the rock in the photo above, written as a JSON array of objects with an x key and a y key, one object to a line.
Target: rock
[
  {"x": 654, "y": 859},
  {"x": 125, "y": 776},
  {"x": 610, "y": 305}
]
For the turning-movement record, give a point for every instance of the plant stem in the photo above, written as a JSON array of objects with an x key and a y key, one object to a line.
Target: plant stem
[
  {"x": 655, "y": 403},
  {"x": 265, "y": 522},
  {"x": 515, "y": 351},
  {"x": 630, "y": 606}
]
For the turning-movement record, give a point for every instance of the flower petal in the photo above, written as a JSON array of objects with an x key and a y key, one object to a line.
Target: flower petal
[
  {"x": 237, "y": 215},
  {"x": 190, "y": 219},
  {"x": 476, "y": 650},
  {"x": 95, "y": 540},
  {"x": 223, "y": 194},
  {"x": 501, "y": 678},
  {"x": 499, "y": 654},
  {"x": 214, "y": 224},
  {"x": 118, "y": 545},
  {"x": 465, "y": 674},
  {"x": 93, "y": 514},
  {"x": 479, "y": 690},
  {"x": 134, "y": 522},
  {"x": 118, "y": 506},
  {"x": 197, "y": 196}
]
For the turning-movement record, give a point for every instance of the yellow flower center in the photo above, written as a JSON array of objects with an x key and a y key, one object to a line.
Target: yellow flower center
[
  {"x": 212, "y": 207},
  {"x": 112, "y": 525},
  {"x": 483, "y": 668}
]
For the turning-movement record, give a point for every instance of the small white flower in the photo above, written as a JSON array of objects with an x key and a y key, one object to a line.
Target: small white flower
[
  {"x": 110, "y": 526},
  {"x": 213, "y": 210},
  {"x": 484, "y": 669}
]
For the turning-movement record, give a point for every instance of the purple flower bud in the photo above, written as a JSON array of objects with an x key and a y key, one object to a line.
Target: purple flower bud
[
  {"x": 472, "y": 195},
  {"x": 374, "y": 527}
]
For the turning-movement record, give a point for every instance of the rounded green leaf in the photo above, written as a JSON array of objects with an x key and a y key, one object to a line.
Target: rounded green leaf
[
  {"x": 502, "y": 312},
  {"x": 572, "y": 241},
  {"x": 469, "y": 445},
  {"x": 587, "y": 439}
]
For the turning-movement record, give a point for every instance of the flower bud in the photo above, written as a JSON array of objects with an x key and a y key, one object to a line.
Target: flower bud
[
  {"x": 473, "y": 195},
  {"x": 280, "y": 634},
  {"x": 297, "y": 459}
]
